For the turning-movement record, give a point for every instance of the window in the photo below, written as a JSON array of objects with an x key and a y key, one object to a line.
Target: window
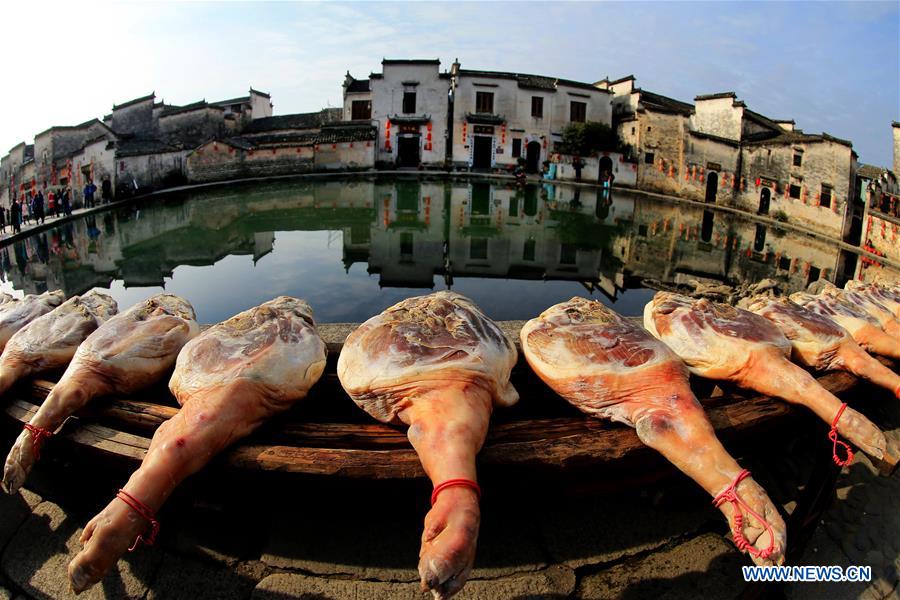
[
  {"x": 798, "y": 159},
  {"x": 648, "y": 128},
  {"x": 517, "y": 148},
  {"x": 814, "y": 274},
  {"x": 537, "y": 107},
  {"x": 409, "y": 103},
  {"x": 784, "y": 263},
  {"x": 825, "y": 198},
  {"x": 642, "y": 230},
  {"x": 478, "y": 248},
  {"x": 632, "y": 131},
  {"x": 361, "y": 110},
  {"x": 649, "y": 158},
  {"x": 567, "y": 254},
  {"x": 795, "y": 191},
  {"x": 484, "y": 102},
  {"x": 577, "y": 112}
]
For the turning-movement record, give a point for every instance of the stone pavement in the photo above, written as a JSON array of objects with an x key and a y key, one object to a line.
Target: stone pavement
[{"x": 318, "y": 539}]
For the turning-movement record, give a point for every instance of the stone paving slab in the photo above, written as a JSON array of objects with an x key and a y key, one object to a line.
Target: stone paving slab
[
  {"x": 37, "y": 557},
  {"x": 383, "y": 543},
  {"x": 15, "y": 510},
  {"x": 589, "y": 531},
  {"x": 555, "y": 582},
  {"x": 704, "y": 567},
  {"x": 181, "y": 577}
]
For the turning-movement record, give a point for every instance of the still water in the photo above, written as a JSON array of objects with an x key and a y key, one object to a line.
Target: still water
[{"x": 353, "y": 248}]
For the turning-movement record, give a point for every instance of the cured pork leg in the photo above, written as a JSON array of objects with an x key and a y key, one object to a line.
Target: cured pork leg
[
  {"x": 49, "y": 342},
  {"x": 228, "y": 380},
  {"x": 611, "y": 368},
  {"x": 863, "y": 327},
  {"x": 870, "y": 304},
  {"x": 718, "y": 341},
  {"x": 820, "y": 343},
  {"x": 437, "y": 364},
  {"x": 889, "y": 297},
  {"x": 17, "y": 314},
  {"x": 129, "y": 352}
]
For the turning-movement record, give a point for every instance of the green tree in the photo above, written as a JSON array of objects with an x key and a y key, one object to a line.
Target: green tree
[{"x": 586, "y": 139}]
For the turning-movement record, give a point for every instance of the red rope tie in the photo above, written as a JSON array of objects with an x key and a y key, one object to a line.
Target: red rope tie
[
  {"x": 143, "y": 510},
  {"x": 729, "y": 494},
  {"x": 455, "y": 483},
  {"x": 38, "y": 435},
  {"x": 833, "y": 436}
]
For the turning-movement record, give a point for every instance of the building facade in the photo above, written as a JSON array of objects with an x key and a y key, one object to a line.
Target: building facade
[
  {"x": 499, "y": 117},
  {"x": 407, "y": 103}
]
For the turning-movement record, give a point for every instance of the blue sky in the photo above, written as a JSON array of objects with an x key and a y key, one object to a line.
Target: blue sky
[{"x": 830, "y": 66}]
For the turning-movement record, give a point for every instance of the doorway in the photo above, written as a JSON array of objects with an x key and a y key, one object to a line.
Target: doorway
[
  {"x": 533, "y": 157},
  {"x": 712, "y": 186},
  {"x": 482, "y": 151},
  {"x": 764, "y": 197},
  {"x": 604, "y": 169},
  {"x": 408, "y": 150}
]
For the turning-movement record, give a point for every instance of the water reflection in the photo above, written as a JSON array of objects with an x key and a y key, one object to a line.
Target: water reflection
[{"x": 354, "y": 248}]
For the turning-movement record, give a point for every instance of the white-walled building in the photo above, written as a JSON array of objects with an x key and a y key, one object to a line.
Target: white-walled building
[
  {"x": 408, "y": 103},
  {"x": 499, "y": 117}
]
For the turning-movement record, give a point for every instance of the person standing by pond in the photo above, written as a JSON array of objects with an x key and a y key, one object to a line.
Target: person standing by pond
[
  {"x": 89, "y": 190},
  {"x": 67, "y": 202},
  {"x": 577, "y": 164},
  {"x": 52, "y": 205},
  {"x": 15, "y": 216},
  {"x": 39, "y": 207}
]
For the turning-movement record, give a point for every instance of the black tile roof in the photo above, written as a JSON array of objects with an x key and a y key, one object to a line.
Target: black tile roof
[
  {"x": 660, "y": 103},
  {"x": 177, "y": 110},
  {"x": 137, "y": 146},
  {"x": 358, "y": 86},
  {"x": 311, "y": 120},
  {"x": 149, "y": 96},
  {"x": 534, "y": 82},
  {"x": 334, "y": 133},
  {"x": 715, "y": 96},
  {"x": 339, "y": 133},
  {"x": 793, "y": 137},
  {"x": 259, "y": 93},
  {"x": 763, "y": 120},
  {"x": 240, "y": 100},
  {"x": 715, "y": 138},
  {"x": 870, "y": 171}
]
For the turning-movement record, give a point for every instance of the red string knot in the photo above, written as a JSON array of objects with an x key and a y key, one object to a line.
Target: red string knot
[
  {"x": 38, "y": 436},
  {"x": 729, "y": 494},
  {"x": 833, "y": 436},
  {"x": 144, "y": 511}
]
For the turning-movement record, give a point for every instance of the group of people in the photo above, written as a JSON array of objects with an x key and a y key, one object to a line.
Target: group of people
[{"x": 37, "y": 207}]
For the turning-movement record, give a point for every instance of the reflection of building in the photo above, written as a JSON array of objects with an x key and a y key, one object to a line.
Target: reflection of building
[
  {"x": 481, "y": 230},
  {"x": 143, "y": 247},
  {"x": 409, "y": 232},
  {"x": 675, "y": 243}
]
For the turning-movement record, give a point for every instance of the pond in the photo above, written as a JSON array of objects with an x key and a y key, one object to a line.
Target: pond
[{"x": 354, "y": 247}]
